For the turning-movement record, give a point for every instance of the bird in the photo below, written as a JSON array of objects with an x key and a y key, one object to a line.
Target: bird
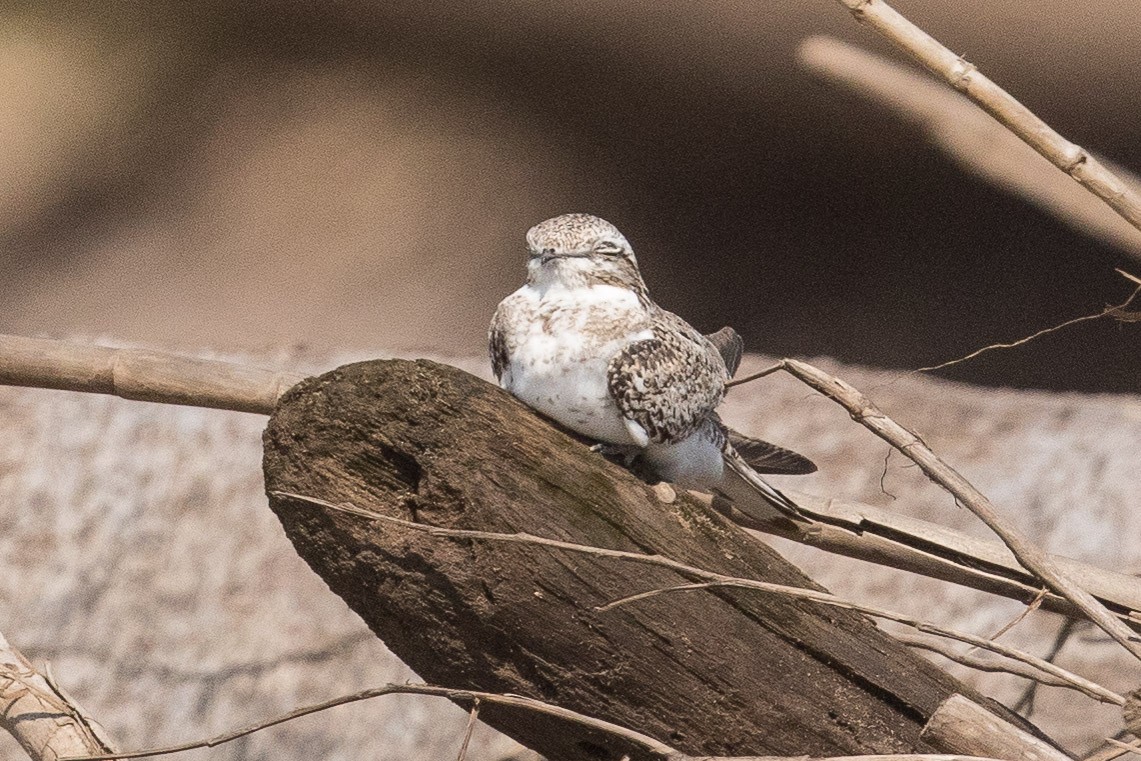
[{"x": 583, "y": 343}]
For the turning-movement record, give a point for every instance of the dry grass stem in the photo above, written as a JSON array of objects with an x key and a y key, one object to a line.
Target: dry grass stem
[
  {"x": 1032, "y": 606},
  {"x": 1028, "y": 554},
  {"x": 471, "y": 719},
  {"x": 148, "y": 376},
  {"x": 1110, "y": 311},
  {"x": 970, "y": 137},
  {"x": 637, "y": 739},
  {"x": 979, "y": 664},
  {"x": 965, "y": 77},
  {"x": 711, "y": 579}
]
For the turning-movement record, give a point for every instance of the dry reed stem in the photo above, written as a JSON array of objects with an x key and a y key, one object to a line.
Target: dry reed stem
[
  {"x": 1028, "y": 554},
  {"x": 42, "y": 719},
  {"x": 711, "y": 579},
  {"x": 148, "y": 376},
  {"x": 965, "y": 77},
  {"x": 970, "y": 137}
]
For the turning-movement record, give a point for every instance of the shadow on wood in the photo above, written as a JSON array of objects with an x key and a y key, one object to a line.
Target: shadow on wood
[{"x": 718, "y": 672}]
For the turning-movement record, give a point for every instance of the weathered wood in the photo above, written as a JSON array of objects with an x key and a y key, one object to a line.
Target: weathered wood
[
  {"x": 961, "y": 726},
  {"x": 720, "y": 672}
]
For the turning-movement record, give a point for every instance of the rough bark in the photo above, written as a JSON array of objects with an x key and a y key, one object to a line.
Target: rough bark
[{"x": 719, "y": 672}]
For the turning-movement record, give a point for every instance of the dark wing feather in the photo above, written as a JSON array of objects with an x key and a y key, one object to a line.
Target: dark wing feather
[
  {"x": 730, "y": 346},
  {"x": 497, "y": 346},
  {"x": 668, "y": 384},
  {"x": 764, "y": 457}
]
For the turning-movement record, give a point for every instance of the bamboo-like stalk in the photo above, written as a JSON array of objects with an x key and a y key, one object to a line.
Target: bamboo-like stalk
[
  {"x": 45, "y": 722},
  {"x": 139, "y": 374},
  {"x": 970, "y": 137},
  {"x": 1072, "y": 159}
]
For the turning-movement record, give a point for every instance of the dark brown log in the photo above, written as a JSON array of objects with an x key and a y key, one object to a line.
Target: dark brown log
[{"x": 719, "y": 672}]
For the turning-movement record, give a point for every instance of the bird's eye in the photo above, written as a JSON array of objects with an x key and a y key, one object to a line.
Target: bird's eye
[{"x": 608, "y": 247}]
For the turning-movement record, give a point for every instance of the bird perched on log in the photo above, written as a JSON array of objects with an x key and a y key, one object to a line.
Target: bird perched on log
[{"x": 582, "y": 342}]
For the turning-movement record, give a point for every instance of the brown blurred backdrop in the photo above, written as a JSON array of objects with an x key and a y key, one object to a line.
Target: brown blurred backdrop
[{"x": 356, "y": 175}]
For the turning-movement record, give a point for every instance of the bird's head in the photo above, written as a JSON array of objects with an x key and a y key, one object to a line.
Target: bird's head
[{"x": 580, "y": 250}]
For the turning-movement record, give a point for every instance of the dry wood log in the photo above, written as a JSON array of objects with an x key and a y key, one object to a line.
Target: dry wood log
[{"x": 721, "y": 672}]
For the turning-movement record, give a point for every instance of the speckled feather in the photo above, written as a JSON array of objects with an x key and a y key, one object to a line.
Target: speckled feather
[
  {"x": 583, "y": 343},
  {"x": 671, "y": 383}
]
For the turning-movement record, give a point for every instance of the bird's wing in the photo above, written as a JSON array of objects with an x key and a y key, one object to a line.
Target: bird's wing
[
  {"x": 497, "y": 344},
  {"x": 670, "y": 383},
  {"x": 764, "y": 457},
  {"x": 730, "y": 346}
]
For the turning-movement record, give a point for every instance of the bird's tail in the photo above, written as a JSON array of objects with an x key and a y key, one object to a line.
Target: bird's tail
[{"x": 750, "y": 493}]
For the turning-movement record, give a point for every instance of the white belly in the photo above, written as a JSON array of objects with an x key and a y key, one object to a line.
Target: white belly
[{"x": 559, "y": 366}]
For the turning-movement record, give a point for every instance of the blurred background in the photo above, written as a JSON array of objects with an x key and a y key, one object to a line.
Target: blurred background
[
  {"x": 359, "y": 175},
  {"x": 315, "y": 181}
]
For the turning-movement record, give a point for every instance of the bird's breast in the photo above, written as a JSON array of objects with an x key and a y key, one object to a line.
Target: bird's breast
[{"x": 559, "y": 344}]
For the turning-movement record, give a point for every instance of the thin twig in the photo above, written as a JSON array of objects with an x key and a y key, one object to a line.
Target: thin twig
[
  {"x": 645, "y": 742},
  {"x": 754, "y": 376},
  {"x": 1028, "y": 554},
  {"x": 980, "y": 664},
  {"x": 883, "y": 474},
  {"x": 472, "y": 716},
  {"x": 965, "y": 77},
  {"x": 1109, "y": 311},
  {"x": 712, "y": 579},
  {"x": 1033, "y": 606}
]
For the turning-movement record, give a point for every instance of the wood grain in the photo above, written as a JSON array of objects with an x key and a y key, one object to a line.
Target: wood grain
[{"x": 715, "y": 673}]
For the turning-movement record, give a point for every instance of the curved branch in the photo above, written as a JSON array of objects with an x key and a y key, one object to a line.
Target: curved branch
[{"x": 1072, "y": 159}]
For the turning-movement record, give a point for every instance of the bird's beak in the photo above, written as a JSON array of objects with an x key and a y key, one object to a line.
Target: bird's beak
[{"x": 544, "y": 258}]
